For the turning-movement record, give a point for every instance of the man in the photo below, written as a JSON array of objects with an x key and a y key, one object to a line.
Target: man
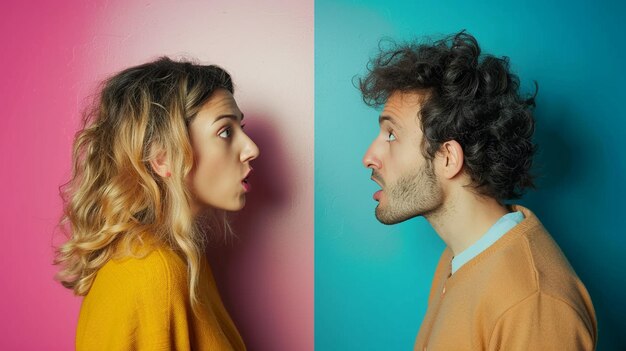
[{"x": 454, "y": 143}]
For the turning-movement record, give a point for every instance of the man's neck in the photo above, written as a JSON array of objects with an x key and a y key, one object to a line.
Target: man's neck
[{"x": 464, "y": 218}]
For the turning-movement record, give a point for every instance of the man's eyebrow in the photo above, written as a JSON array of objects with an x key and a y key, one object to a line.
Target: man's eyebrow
[
  {"x": 383, "y": 118},
  {"x": 233, "y": 117}
]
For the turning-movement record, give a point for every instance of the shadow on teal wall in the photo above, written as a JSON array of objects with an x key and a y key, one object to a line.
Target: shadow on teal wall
[{"x": 372, "y": 281}]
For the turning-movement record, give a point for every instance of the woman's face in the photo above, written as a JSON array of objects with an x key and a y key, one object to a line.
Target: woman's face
[{"x": 222, "y": 155}]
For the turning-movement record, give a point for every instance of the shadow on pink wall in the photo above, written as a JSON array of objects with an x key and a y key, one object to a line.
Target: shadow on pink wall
[{"x": 244, "y": 293}]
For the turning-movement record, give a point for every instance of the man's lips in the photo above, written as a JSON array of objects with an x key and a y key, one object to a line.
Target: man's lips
[
  {"x": 375, "y": 180},
  {"x": 377, "y": 194}
]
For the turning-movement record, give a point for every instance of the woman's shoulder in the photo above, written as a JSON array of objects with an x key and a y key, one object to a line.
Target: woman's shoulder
[
  {"x": 133, "y": 299},
  {"x": 160, "y": 269}
]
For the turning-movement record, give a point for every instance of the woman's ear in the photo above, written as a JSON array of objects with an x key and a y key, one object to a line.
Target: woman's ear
[
  {"x": 160, "y": 164},
  {"x": 452, "y": 158}
]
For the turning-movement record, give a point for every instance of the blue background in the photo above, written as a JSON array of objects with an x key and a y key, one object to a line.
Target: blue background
[{"x": 371, "y": 280}]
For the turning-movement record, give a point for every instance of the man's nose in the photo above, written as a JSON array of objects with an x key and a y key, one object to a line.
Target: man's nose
[{"x": 371, "y": 159}]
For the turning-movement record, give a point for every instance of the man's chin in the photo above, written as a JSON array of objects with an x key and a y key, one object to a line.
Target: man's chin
[{"x": 384, "y": 216}]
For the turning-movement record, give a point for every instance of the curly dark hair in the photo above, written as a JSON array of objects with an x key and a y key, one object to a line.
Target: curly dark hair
[{"x": 471, "y": 98}]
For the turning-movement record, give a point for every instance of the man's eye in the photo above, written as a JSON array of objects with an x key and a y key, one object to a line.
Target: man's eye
[
  {"x": 391, "y": 137},
  {"x": 226, "y": 133}
]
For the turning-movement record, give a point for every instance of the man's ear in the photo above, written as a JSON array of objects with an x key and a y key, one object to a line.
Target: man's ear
[
  {"x": 451, "y": 154},
  {"x": 160, "y": 164}
]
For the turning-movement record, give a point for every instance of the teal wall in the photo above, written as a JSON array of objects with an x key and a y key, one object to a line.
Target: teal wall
[{"x": 371, "y": 280}]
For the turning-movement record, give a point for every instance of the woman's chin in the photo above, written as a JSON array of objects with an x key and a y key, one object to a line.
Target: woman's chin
[
  {"x": 237, "y": 205},
  {"x": 242, "y": 204}
]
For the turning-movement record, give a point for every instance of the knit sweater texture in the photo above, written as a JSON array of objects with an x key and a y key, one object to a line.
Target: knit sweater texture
[
  {"x": 519, "y": 294},
  {"x": 143, "y": 304}
]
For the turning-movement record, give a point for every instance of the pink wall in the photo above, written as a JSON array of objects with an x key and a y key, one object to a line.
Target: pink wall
[{"x": 53, "y": 54}]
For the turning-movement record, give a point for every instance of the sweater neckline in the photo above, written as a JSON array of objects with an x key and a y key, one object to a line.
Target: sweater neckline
[{"x": 521, "y": 229}]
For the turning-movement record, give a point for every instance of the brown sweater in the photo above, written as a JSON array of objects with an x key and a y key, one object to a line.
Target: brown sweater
[{"x": 519, "y": 294}]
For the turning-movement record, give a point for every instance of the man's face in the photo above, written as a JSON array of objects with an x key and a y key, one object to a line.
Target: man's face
[{"x": 409, "y": 185}]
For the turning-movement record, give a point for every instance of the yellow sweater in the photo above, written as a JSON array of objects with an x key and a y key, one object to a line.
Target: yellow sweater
[
  {"x": 143, "y": 304},
  {"x": 519, "y": 294}
]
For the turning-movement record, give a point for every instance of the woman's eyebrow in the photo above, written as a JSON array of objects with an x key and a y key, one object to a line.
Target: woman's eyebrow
[{"x": 230, "y": 116}]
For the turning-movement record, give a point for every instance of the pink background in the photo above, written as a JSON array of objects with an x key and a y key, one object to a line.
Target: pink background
[{"x": 53, "y": 54}]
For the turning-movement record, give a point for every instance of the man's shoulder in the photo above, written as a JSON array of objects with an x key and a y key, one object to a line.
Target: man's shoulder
[
  {"x": 533, "y": 264},
  {"x": 555, "y": 275},
  {"x": 556, "y": 294}
]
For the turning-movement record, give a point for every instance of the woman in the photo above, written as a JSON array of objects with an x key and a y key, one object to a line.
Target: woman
[{"x": 158, "y": 161}]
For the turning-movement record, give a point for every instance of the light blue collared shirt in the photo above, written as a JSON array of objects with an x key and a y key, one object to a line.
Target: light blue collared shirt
[{"x": 502, "y": 226}]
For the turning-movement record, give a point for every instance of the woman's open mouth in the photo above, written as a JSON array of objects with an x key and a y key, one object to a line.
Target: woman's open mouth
[{"x": 246, "y": 186}]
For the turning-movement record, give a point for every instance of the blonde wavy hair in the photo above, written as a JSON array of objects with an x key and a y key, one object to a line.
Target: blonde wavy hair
[{"x": 114, "y": 201}]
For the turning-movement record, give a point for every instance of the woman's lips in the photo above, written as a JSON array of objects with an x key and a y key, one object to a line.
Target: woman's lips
[
  {"x": 246, "y": 186},
  {"x": 244, "y": 183}
]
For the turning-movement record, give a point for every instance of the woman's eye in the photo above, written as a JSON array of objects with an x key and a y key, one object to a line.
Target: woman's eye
[
  {"x": 391, "y": 137},
  {"x": 226, "y": 133}
]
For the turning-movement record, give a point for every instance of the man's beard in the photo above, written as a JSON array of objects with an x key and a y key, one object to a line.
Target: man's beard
[{"x": 416, "y": 193}]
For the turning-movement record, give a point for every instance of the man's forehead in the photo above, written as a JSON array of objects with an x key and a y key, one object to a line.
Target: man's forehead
[
  {"x": 401, "y": 105},
  {"x": 405, "y": 99}
]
